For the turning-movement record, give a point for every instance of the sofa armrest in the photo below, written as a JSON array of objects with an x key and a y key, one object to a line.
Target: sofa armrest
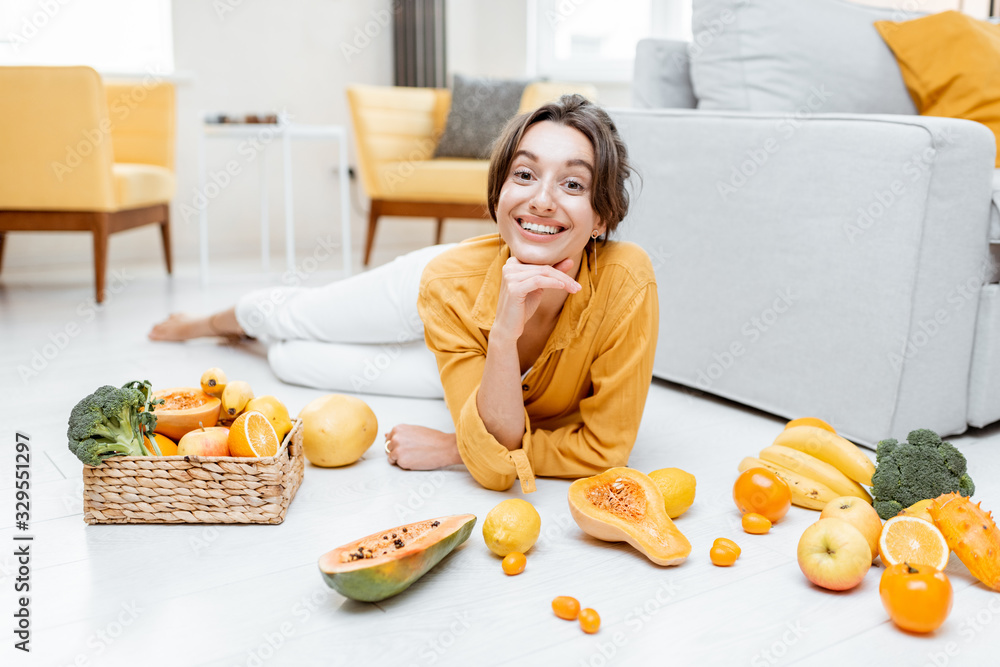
[
  {"x": 662, "y": 77},
  {"x": 143, "y": 121},
  {"x": 816, "y": 265}
]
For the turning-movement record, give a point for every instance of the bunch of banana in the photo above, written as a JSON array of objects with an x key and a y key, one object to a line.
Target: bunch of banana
[
  {"x": 817, "y": 464},
  {"x": 237, "y": 397}
]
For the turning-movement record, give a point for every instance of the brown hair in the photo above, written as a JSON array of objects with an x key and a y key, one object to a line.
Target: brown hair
[{"x": 609, "y": 196}]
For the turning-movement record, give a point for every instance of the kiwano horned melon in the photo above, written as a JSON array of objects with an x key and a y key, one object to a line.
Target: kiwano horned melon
[
  {"x": 622, "y": 504},
  {"x": 388, "y": 562},
  {"x": 971, "y": 533}
]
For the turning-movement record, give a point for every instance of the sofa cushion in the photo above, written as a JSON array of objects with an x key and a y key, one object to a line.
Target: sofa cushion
[
  {"x": 461, "y": 181},
  {"x": 142, "y": 184},
  {"x": 949, "y": 62},
  {"x": 790, "y": 55},
  {"x": 662, "y": 76},
  {"x": 479, "y": 109}
]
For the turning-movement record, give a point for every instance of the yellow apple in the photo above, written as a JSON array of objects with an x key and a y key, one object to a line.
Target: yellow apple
[
  {"x": 859, "y": 514},
  {"x": 834, "y": 554},
  {"x": 211, "y": 441}
]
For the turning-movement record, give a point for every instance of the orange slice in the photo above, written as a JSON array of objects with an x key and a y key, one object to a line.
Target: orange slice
[
  {"x": 907, "y": 539},
  {"x": 252, "y": 435},
  {"x": 810, "y": 421}
]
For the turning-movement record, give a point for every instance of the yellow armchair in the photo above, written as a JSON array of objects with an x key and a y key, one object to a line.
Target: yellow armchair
[
  {"x": 79, "y": 154},
  {"x": 397, "y": 130}
]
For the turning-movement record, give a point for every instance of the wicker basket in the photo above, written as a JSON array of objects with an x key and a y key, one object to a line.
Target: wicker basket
[{"x": 193, "y": 489}]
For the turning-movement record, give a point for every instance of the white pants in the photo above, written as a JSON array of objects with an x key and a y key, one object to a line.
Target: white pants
[{"x": 361, "y": 334}]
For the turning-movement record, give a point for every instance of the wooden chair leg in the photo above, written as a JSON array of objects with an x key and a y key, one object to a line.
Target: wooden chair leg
[
  {"x": 3, "y": 236},
  {"x": 165, "y": 233},
  {"x": 440, "y": 228},
  {"x": 373, "y": 217},
  {"x": 100, "y": 231}
]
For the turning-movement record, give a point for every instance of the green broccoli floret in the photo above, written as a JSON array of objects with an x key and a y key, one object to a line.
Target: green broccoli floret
[
  {"x": 922, "y": 467},
  {"x": 110, "y": 422}
]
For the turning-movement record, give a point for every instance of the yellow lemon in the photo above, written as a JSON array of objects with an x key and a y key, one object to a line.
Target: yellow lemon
[
  {"x": 677, "y": 487},
  {"x": 275, "y": 411},
  {"x": 511, "y": 526}
]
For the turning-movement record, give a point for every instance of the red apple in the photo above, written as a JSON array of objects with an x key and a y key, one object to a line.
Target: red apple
[
  {"x": 834, "y": 554},
  {"x": 859, "y": 514},
  {"x": 211, "y": 441}
]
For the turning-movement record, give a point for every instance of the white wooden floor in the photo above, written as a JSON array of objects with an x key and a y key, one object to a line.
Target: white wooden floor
[{"x": 252, "y": 595}]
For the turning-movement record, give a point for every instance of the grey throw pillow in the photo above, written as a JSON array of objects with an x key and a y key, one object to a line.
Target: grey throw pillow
[
  {"x": 479, "y": 109},
  {"x": 791, "y": 55}
]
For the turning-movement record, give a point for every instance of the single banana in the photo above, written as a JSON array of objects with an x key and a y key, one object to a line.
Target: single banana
[
  {"x": 842, "y": 454},
  {"x": 213, "y": 382},
  {"x": 812, "y": 467},
  {"x": 235, "y": 397},
  {"x": 806, "y": 492}
]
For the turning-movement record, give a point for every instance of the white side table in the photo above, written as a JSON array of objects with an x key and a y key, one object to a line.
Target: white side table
[{"x": 259, "y": 136}]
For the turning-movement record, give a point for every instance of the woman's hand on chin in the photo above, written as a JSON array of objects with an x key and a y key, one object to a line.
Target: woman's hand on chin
[
  {"x": 420, "y": 448},
  {"x": 521, "y": 287}
]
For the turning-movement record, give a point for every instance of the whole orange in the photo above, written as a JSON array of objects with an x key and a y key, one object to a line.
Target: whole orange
[{"x": 761, "y": 491}]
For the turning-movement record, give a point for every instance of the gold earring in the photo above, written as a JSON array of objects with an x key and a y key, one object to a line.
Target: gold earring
[{"x": 594, "y": 236}]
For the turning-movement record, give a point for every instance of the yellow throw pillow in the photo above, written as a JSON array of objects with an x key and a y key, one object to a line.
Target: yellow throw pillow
[{"x": 951, "y": 65}]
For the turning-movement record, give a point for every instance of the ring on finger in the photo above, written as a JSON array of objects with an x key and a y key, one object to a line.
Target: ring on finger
[{"x": 387, "y": 446}]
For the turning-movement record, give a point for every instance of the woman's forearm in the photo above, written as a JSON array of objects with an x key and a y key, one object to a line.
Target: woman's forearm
[{"x": 500, "y": 402}]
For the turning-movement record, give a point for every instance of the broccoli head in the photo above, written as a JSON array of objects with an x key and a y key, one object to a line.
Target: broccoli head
[
  {"x": 110, "y": 422},
  {"x": 922, "y": 467}
]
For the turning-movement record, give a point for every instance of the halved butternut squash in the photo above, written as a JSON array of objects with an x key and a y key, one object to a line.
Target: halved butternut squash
[
  {"x": 622, "y": 504},
  {"x": 185, "y": 409}
]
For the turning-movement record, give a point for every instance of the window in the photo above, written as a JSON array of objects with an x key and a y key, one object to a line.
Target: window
[
  {"x": 595, "y": 41},
  {"x": 112, "y": 36}
]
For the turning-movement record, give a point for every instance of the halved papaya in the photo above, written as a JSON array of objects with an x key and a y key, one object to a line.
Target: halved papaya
[
  {"x": 388, "y": 562},
  {"x": 623, "y": 504},
  {"x": 185, "y": 409}
]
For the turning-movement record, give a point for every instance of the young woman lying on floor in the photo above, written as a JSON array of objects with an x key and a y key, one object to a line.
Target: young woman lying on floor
[{"x": 542, "y": 338}]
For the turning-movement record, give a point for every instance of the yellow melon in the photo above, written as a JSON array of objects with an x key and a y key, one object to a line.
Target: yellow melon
[{"x": 337, "y": 430}]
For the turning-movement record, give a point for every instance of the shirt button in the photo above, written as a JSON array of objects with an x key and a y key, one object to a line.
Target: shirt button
[{"x": 524, "y": 387}]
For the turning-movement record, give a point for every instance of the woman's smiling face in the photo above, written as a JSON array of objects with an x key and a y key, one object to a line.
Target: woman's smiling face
[{"x": 544, "y": 211}]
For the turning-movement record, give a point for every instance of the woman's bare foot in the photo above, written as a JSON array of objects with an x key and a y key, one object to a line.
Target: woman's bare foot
[{"x": 179, "y": 327}]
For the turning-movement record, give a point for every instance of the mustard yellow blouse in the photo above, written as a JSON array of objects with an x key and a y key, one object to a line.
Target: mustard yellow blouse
[{"x": 584, "y": 396}]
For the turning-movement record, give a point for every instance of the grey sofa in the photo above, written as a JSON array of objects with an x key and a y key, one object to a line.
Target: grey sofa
[{"x": 812, "y": 261}]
